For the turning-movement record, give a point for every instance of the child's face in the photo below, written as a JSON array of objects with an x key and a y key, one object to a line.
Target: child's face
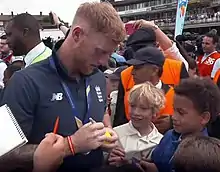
[
  {"x": 141, "y": 115},
  {"x": 186, "y": 118}
]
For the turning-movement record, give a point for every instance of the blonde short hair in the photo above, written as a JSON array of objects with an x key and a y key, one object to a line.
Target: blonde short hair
[
  {"x": 103, "y": 18},
  {"x": 149, "y": 94}
]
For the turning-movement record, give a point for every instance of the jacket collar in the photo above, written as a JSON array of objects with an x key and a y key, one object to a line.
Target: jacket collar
[
  {"x": 35, "y": 52},
  {"x": 159, "y": 85},
  {"x": 177, "y": 137},
  {"x": 133, "y": 131}
]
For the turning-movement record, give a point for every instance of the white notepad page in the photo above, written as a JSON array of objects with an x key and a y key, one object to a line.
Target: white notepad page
[{"x": 12, "y": 136}]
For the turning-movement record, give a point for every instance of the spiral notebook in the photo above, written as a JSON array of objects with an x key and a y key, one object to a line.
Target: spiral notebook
[{"x": 12, "y": 137}]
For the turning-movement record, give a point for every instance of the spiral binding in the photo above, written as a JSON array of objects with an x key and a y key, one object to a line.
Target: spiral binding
[{"x": 21, "y": 133}]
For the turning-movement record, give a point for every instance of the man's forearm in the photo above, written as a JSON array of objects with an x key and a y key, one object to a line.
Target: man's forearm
[
  {"x": 19, "y": 158},
  {"x": 163, "y": 39}
]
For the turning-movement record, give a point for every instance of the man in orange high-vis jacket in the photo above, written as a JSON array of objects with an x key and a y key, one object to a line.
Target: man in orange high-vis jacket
[
  {"x": 173, "y": 70},
  {"x": 209, "y": 63},
  {"x": 128, "y": 83},
  {"x": 147, "y": 66}
]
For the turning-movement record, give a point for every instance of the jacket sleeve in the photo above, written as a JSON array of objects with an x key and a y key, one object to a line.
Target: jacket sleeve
[
  {"x": 174, "y": 53},
  {"x": 120, "y": 117},
  {"x": 21, "y": 97}
]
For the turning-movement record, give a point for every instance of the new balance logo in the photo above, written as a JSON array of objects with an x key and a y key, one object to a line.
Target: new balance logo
[{"x": 57, "y": 97}]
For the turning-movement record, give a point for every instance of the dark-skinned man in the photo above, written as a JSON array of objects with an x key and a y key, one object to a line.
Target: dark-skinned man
[{"x": 23, "y": 36}]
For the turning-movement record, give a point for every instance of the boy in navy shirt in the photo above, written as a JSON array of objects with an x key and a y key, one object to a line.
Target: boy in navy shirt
[{"x": 196, "y": 104}]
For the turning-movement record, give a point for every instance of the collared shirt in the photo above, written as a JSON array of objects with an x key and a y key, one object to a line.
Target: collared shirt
[
  {"x": 35, "y": 52},
  {"x": 36, "y": 97},
  {"x": 162, "y": 155},
  {"x": 159, "y": 85},
  {"x": 134, "y": 144}
]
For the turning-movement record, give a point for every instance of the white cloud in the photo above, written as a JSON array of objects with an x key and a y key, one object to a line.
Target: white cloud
[{"x": 65, "y": 9}]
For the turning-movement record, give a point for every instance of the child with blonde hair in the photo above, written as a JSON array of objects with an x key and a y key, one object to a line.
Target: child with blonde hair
[{"x": 139, "y": 136}]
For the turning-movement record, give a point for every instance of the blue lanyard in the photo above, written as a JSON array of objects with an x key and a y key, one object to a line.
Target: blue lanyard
[{"x": 70, "y": 97}]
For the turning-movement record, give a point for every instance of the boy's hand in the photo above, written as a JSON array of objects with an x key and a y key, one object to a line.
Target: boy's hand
[{"x": 117, "y": 156}]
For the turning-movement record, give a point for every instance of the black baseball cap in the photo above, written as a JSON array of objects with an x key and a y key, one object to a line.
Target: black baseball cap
[
  {"x": 147, "y": 55},
  {"x": 142, "y": 37}
]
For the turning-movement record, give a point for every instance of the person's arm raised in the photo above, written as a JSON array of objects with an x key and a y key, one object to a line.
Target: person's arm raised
[
  {"x": 161, "y": 37},
  {"x": 57, "y": 22}
]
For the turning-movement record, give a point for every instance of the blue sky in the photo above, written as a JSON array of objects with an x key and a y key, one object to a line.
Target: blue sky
[{"x": 66, "y": 10}]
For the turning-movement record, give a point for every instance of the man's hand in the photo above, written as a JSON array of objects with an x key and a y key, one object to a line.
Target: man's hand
[
  {"x": 110, "y": 142},
  {"x": 49, "y": 154},
  {"x": 88, "y": 137},
  {"x": 163, "y": 124},
  {"x": 117, "y": 156},
  {"x": 143, "y": 23},
  {"x": 56, "y": 19}
]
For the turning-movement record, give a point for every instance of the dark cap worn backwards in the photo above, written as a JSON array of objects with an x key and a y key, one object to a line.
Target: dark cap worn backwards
[{"x": 148, "y": 55}]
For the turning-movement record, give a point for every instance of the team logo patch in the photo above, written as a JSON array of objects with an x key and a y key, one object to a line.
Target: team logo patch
[{"x": 99, "y": 93}]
